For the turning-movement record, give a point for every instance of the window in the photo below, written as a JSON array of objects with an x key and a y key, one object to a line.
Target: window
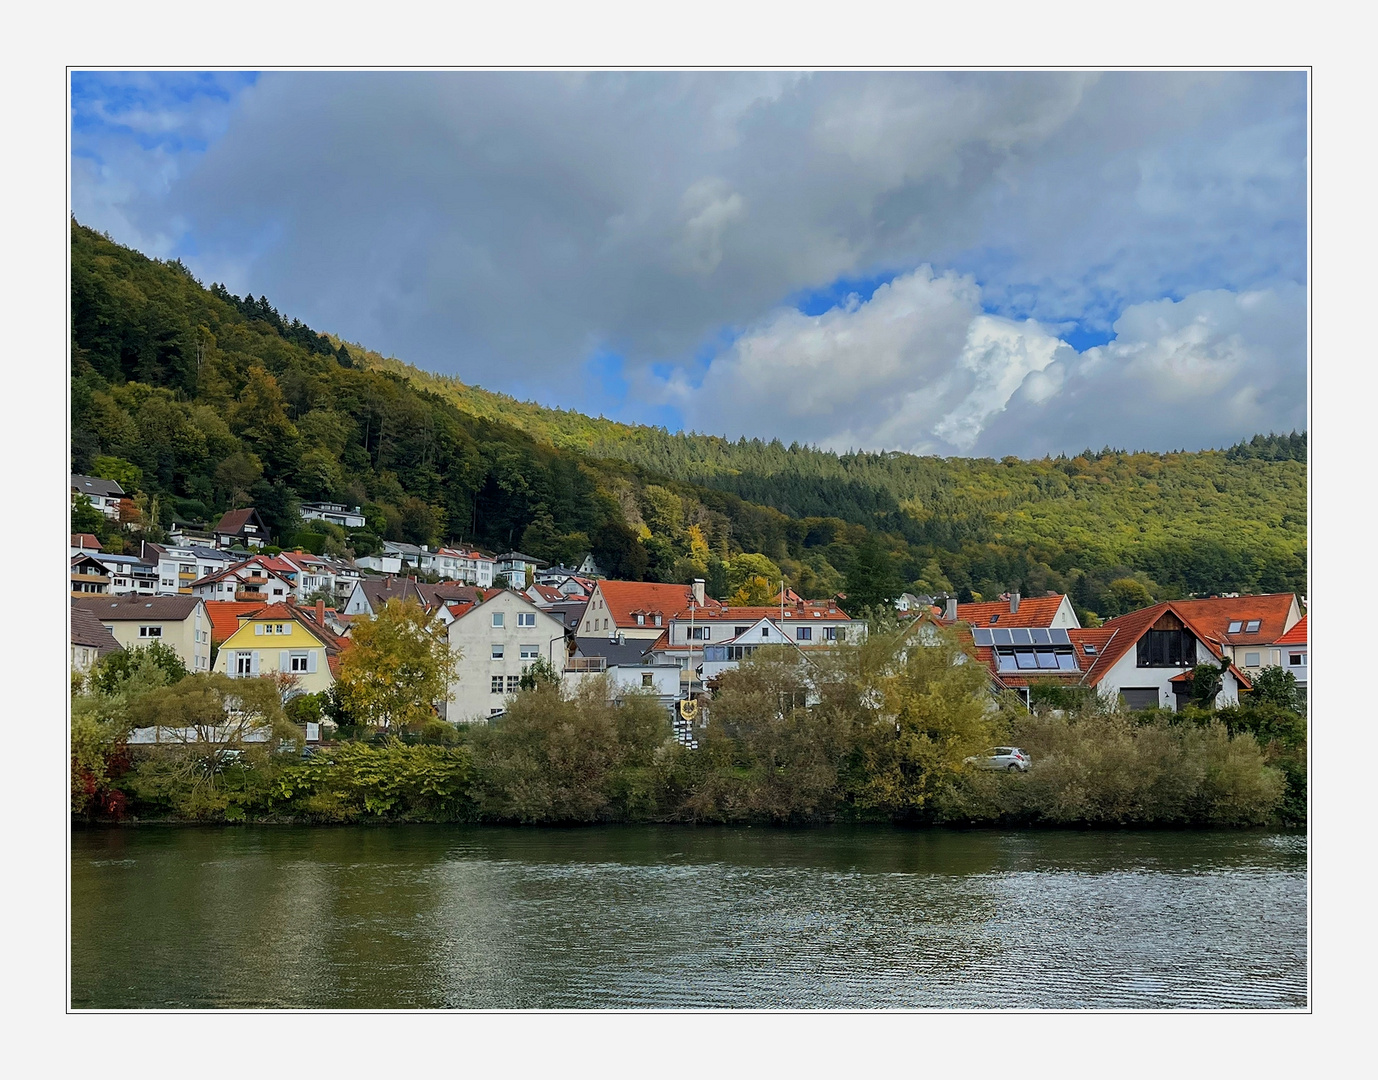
[
  {"x": 1167, "y": 648},
  {"x": 765, "y": 631},
  {"x": 738, "y": 631},
  {"x": 526, "y": 618},
  {"x": 994, "y": 619},
  {"x": 700, "y": 633},
  {"x": 1088, "y": 649},
  {"x": 298, "y": 662},
  {"x": 150, "y": 631},
  {"x": 168, "y": 582},
  {"x": 530, "y": 652},
  {"x": 1251, "y": 627},
  {"x": 243, "y": 663},
  {"x": 514, "y": 683},
  {"x": 1296, "y": 659},
  {"x": 497, "y": 652},
  {"x": 647, "y": 680},
  {"x": 834, "y": 633},
  {"x": 641, "y": 620},
  {"x": 495, "y": 684},
  {"x": 497, "y": 620},
  {"x": 494, "y": 712},
  {"x": 803, "y": 633},
  {"x": 1235, "y": 626},
  {"x": 1251, "y": 659}
]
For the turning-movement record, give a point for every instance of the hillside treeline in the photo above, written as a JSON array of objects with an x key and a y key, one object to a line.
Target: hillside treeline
[{"x": 203, "y": 401}]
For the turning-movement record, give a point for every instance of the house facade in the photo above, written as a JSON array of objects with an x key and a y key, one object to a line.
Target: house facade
[
  {"x": 1246, "y": 628},
  {"x": 105, "y": 495},
  {"x": 277, "y": 639},
  {"x": 241, "y": 527},
  {"x": 497, "y": 640},
  {"x": 89, "y": 576},
  {"x": 130, "y": 575},
  {"x": 179, "y": 566},
  {"x": 178, "y": 622},
  {"x": 1294, "y": 656},
  {"x": 335, "y": 513},
  {"x": 640, "y": 609},
  {"x": 90, "y": 639},
  {"x": 245, "y": 582}
]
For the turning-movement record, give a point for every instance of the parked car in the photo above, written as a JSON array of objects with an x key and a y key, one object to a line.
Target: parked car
[{"x": 1008, "y": 758}]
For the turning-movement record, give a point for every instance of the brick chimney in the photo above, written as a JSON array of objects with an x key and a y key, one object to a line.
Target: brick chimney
[
  {"x": 1014, "y": 602},
  {"x": 320, "y": 612}
]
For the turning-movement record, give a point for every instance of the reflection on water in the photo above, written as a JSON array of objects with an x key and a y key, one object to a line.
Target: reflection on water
[{"x": 666, "y": 917}]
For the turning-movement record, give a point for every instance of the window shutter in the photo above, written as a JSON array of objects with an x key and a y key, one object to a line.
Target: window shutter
[
  {"x": 258, "y": 629},
  {"x": 253, "y": 662},
  {"x": 311, "y": 661}
]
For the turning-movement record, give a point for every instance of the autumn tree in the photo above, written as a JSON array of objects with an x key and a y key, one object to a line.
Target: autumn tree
[{"x": 397, "y": 668}]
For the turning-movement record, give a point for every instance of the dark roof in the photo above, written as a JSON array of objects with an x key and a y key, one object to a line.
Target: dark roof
[
  {"x": 132, "y": 608},
  {"x": 234, "y": 521},
  {"x": 630, "y": 654},
  {"x": 452, "y": 591},
  {"x": 517, "y": 556},
  {"x": 89, "y": 631},
  {"x": 94, "y": 485},
  {"x": 570, "y": 612},
  {"x": 85, "y": 540},
  {"x": 378, "y": 591}
]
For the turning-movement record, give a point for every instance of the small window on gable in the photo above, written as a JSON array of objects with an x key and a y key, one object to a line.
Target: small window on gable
[
  {"x": 497, "y": 620},
  {"x": 765, "y": 631},
  {"x": 1235, "y": 626},
  {"x": 1251, "y": 627}
]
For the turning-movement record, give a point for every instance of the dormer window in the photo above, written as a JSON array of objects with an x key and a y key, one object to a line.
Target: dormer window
[
  {"x": 657, "y": 620},
  {"x": 1235, "y": 627},
  {"x": 641, "y": 620}
]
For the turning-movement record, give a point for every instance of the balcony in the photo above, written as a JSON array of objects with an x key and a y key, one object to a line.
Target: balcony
[{"x": 586, "y": 664}]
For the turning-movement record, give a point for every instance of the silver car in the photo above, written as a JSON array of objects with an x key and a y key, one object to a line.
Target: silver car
[{"x": 1007, "y": 758}]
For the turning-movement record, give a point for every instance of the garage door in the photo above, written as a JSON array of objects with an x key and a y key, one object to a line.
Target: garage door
[{"x": 1140, "y": 697}]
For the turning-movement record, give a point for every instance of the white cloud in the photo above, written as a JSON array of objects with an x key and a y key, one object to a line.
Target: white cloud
[{"x": 919, "y": 367}]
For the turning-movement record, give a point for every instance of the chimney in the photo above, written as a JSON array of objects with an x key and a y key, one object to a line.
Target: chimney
[
  {"x": 950, "y": 614},
  {"x": 698, "y": 591},
  {"x": 1014, "y": 602},
  {"x": 320, "y": 612},
  {"x": 621, "y": 638}
]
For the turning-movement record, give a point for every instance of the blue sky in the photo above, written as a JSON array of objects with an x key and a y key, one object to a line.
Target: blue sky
[{"x": 965, "y": 263}]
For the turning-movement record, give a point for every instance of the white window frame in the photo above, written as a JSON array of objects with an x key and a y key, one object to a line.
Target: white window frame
[
  {"x": 529, "y": 652},
  {"x": 497, "y": 620},
  {"x": 497, "y": 650},
  {"x": 150, "y": 631}
]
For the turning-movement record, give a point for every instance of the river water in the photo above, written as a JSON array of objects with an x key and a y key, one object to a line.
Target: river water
[{"x": 677, "y": 917}]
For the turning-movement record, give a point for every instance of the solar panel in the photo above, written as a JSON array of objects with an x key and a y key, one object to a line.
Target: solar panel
[
  {"x": 1059, "y": 637},
  {"x": 981, "y": 636},
  {"x": 1020, "y": 636},
  {"x": 1040, "y": 637},
  {"x": 1001, "y": 637}
]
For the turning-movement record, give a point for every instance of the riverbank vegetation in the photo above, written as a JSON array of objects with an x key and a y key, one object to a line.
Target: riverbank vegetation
[{"x": 881, "y": 730}]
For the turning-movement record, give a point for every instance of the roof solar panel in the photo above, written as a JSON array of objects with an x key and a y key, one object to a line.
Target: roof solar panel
[
  {"x": 981, "y": 636},
  {"x": 1040, "y": 637},
  {"x": 1059, "y": 637},
  {"x": 1020, "y": 636},
  {"x": 1001, "y": 637}
]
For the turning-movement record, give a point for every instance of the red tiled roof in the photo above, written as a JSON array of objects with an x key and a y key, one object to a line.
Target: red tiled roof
[
  {"x": 225, "y": 615},
  {"x": 85, "y": 540},
  {"x": 793, "y": 612},
  {"x": 627, "y": 598},
  {"x": 1212, "y": 616},
  {"x": 446, "y": 591},
  {"x": 549, "y": 593},
  {"x": 234, "y": 520},
  {"x": 1296, "y": 635},
  {"x": 1033, "y": 611}
]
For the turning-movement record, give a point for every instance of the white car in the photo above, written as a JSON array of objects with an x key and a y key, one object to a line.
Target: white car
[{"x": 1007, "y": 758}]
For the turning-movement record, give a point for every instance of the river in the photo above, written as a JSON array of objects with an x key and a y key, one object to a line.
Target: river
[{"x": 675, "y": 917}]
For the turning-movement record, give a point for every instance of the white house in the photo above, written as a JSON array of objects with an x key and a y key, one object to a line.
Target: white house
[
  {"x": 179, "y": 622},
  {"x": 497, "y": 641},
  {"x": 462, "y": 564},
  {"x": 512, "y": 566},
  {"x": 1294, "y": 651},
  {"x": 179, "y": 566},
  {"x": 129, "y": 575},
  {"x": 105, "y": 495},
  {"x": 245, "y": 581},
  {"x": 335, "y": 513}
]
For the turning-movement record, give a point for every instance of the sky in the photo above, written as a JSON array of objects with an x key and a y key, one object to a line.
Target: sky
[{"x": 966, "y": 263}]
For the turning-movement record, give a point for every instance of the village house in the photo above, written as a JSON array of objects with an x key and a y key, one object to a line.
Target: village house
[
  {"x": 89, "y": 575},
  {"x": 335, "y": 513},
  {"x": 640, "y": 609},
  {"x": 1246, "y": 628},
  {"x": 178, "y": 622},
  {"x": 629, "y": 667},
  {"x": 497, "y": 640},
  {"x": 281, "y": 640},
  {"x": 511, "y": 567},
  {"x": 369, "y": 594},
  {"x": 179, "y": 566},
  {"x": 84, "y": 544},
  {"x": 105, "y": 495},
  {"x": 1048, "y": 611},
  {"x": 241, "y": 527},
  {"x": 246, "y": 581},
  {"x": 1293, "y": 648},
  {"x": 91, "y": 639},
  {"x": 466, "y": 565},
  {"x": 129, "y": 575}
]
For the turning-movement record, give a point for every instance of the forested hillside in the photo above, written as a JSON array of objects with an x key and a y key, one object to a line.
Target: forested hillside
[{"x": 201, "y": 401}]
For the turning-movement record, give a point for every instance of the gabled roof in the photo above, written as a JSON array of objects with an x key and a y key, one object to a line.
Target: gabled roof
[
  {"x": 549, "y": 594},
  {"x": 1096, "y": 639},
  {"x": 445, "y": 591},
  {"x": 240, "y": 571},
  {"x": 1296, "y": 635},
  {"x": 90, "y": 632},
  {"x": 627, "y": 653},
  {"x": 1128, "y": 629},
  {"x": 233, "y": 521},
  {"x": 291, "y": 613},
  {"x": 94, "y": 485},
  {"x": 225, "y": 615},
  {"x": 1213, "y": 615},
  {"x": 85, "y": 540},
  {"x": 794, "y": 612},
  {"x": 140, "y": 608},
  {"x": 1033, "y": 611},
  {"x": 378, "y": 591},
  {"x": 627, "y": 598}
]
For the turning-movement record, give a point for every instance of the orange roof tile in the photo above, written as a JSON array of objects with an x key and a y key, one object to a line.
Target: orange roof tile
[
  {"x": 1296, "y": 635},
  {"x": 625, "y": 599},
  {"x": 1213, "y": 615},
  {"x": 1033, "y": 611},
  {"x": 1128, "y": 629},
  {"x": 224, "y": 615}
]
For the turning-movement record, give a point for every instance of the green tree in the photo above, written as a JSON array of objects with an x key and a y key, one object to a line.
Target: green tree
[
  {"x": 1275, "y": 686},
  {"x": 872, "y": 581},
  {"x": 397, "y": 668},
  {"x": 117, "y": 668}
]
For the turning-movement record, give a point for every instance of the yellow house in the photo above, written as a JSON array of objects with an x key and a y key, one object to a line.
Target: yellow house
[{"x": 279, "y": 638}]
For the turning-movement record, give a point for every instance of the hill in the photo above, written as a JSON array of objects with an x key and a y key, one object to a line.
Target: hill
[{"x": 203, "y": 400}]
